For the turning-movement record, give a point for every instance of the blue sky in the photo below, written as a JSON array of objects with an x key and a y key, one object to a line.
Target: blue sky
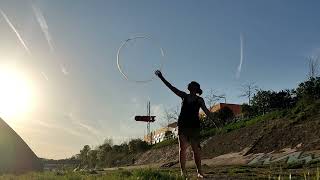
[{"x": 81, "y": 96}]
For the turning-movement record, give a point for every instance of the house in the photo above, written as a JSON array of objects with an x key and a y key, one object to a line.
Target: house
[
  {"x": 171, "y": 131},
  {"x": 160, "y": 134},
  {"x": 235, "y": 108}
]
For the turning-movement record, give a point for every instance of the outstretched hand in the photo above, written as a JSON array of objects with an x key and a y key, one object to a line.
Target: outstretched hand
[{"x": 158, "y": 73}]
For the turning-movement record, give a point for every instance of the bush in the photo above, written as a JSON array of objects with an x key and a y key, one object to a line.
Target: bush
[
  {"x": 303, "y": 110},
  {"x": 165, "y": 143},
  {"x": 138, "y": 145},
  {"x": 207, "y": 133},
  {"x": 150, "y": 174}
]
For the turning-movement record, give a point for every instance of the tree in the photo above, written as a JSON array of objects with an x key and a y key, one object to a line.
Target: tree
[
  {"x": 248, "y": 90},
  {"x": 313, "y": 64},
  {"x": 212, "y": 98},
  {"x": 248, "y": 111},
  {"x": 92, "y": 158},
  {"x": 309, "y": 90},
  {"x": 137, "y": 145},
  {"x": 84, "y": 154},
  {"x": 266, "y": 101},
  {"x": 281, "y": 100},
  {"x": 225, "y": 115},
  {"x": 124, "y": 147},
  {"x": 171, "y": 115},
  {"x": 103, "y": 154},
  {"x": 261, "y": 100}
]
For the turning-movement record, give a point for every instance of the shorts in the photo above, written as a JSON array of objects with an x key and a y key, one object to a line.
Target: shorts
[{"x": 192, "y": 134}]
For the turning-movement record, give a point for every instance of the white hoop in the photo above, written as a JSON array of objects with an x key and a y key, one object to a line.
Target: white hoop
[{"x": 118, "y": 59}]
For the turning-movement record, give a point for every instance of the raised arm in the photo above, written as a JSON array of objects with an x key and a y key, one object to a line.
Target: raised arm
[{"x": 179, "y": 93}]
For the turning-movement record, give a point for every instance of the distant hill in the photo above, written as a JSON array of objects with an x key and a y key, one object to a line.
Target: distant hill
[{"x": 15, "y": 155}]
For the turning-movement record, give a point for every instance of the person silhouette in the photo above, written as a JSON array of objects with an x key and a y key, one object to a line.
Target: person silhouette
[{"x": 189, "y": 122}]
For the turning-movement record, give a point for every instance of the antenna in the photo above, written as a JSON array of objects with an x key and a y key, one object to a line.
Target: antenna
[{"x": 148, "y": 123}]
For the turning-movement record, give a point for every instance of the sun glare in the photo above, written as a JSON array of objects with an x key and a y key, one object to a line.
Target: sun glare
[{"x": 15, "y": 93}]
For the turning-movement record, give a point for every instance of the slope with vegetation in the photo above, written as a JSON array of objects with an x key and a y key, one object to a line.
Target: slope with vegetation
[{"x": 272, "y": 121}]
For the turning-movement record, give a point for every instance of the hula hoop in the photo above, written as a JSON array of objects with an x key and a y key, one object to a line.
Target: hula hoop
[{"x": 123, "y": 44}]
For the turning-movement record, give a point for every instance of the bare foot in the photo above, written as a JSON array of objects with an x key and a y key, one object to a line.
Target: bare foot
[
  {"x": 200, "y": 176},
  {"x": 184, "y": 174}
]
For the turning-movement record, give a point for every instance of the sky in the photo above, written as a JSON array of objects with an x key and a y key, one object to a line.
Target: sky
[{"x": 67, "y": 52}]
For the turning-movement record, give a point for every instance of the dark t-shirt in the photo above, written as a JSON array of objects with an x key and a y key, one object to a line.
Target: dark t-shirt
[{"x": 189, "y": 114}]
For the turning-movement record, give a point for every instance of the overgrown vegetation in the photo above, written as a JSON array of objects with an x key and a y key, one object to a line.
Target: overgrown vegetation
[
  {"x": 292, "y": 171},
  {"x": 165, "y": 143},
  {"x": 109, "y": 155},
  {"x": 294, "y": 105},
  {"x": 142, "y": 174}
]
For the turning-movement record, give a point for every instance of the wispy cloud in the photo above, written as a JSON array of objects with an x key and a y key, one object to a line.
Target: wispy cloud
[
  {"x": 64, "y": 69},
  {"x": 136, "y": 106},
  {"x": 241, "y": 57},
  {"x": 45, "y": 29},
  {"x": 44, "y": 76},
  {"x": 157, "y": 110},
  {"x": 44, "y": 26},
  {"x": 15, "y": 31},
  {"x": 97, "y": 134},
  {"x": 53, "y": 126}
]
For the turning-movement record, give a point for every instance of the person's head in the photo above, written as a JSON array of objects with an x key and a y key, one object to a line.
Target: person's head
[{"x": 194, "y": 88}]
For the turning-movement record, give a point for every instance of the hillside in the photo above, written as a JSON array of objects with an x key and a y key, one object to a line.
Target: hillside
[{"x": 267, "y": 133}]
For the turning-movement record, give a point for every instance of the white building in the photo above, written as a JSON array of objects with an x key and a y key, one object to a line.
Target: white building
[{"x": 162, "y": 134}]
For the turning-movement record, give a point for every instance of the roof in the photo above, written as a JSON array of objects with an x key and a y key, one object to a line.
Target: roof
[
  {"x": 173, "y": 125},
  {"x": 235, "y": 108}
]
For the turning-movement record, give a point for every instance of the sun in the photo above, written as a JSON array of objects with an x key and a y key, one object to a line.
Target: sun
[{"x": 15, "y": 93}]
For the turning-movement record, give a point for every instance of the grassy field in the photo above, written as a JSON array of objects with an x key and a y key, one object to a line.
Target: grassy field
[
  {"x": 145, "y": 174},
  {"x": 305, "y": 172}
]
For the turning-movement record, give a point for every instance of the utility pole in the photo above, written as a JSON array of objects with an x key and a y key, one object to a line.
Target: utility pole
[
  {"x": 148, "y": 123},
  {"x": 148, "y": 119}
]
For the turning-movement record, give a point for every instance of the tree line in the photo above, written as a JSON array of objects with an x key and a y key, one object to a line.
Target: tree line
[
  {"x": 109, "y": 155},
  {"x": 265, "y": 101}
]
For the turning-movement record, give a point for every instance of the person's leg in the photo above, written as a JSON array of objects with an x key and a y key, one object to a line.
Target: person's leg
[
  {"x": 183, "y": 143},
  {"x": 197, "y": 156}
]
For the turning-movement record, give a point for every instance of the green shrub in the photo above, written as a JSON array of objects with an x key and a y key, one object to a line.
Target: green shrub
[
  {"x": 207, "y": 133},
  {"x": 165, "y": 143},
  {"x": 150, "y": 174},
  {"x": 141, "y": 174}
]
